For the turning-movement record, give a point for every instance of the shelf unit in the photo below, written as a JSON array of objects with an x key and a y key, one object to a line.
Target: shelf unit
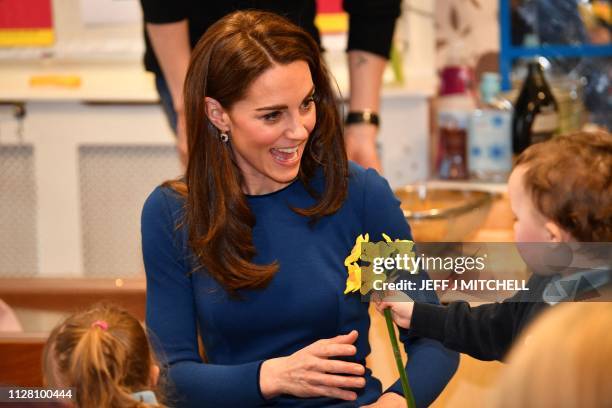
[{"x": 508, "y": 52}]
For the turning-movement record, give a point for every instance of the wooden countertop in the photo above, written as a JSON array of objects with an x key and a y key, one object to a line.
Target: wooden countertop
[{"x": 69, "y": 294}]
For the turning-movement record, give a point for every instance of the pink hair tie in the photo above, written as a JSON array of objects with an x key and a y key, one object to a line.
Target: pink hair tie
[{"x": 101, "y": 324}]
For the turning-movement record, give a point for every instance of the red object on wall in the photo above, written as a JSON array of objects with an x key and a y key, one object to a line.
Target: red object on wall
[
  {"x": 25, "y": 14},
  {"x": 328, "y": 6}
]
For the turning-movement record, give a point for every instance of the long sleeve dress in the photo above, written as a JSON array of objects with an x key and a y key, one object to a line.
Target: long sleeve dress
[{"x": 303, "y": 303}]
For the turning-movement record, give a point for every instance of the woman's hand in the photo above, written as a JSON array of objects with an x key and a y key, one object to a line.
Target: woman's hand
[
  {"x": 388, "y": 400},
  {"x": 310, "y": 372},
  {"x": 401, "y": 308}
]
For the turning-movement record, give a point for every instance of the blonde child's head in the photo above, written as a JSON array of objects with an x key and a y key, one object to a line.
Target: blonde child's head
[
  {"x": 561, "y": 190},
  {"x": 562, "y": 360},
  {"x": 104, "y": 354}
]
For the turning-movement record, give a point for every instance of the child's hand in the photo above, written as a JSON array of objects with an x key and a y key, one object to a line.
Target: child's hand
[{"x": 401, "y": 308}]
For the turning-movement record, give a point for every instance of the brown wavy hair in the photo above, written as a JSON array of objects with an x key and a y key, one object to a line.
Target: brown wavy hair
[
  {"x": 234, "y": 52},
  {"x": 104, "y": 365},
  {"x": 569, "y": 179}
]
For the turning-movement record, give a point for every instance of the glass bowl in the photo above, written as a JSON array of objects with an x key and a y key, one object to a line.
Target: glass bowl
[{"x": 444, "y": 215}]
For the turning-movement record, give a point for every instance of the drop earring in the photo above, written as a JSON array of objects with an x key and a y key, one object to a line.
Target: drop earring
[{"x": 224, "y": 137}]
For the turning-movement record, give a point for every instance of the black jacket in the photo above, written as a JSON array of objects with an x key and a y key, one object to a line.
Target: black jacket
[
  {"x": 371, "y": 22},
  {"x": 485, "y": 332}
]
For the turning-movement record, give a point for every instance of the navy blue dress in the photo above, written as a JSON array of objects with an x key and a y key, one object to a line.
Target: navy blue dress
[{"x": 303, "y": 303}]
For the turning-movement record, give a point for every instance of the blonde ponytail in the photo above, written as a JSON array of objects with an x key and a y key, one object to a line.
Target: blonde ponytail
[{"x": 104, "y": 354}]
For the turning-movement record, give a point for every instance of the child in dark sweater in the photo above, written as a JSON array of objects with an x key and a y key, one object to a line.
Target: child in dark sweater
[{"x": 560, "y": 192}]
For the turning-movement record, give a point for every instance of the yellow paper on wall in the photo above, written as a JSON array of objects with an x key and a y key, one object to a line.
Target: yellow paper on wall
[
  {"x": 55, "y": 80},
  {"x": 26, "y": 37}
]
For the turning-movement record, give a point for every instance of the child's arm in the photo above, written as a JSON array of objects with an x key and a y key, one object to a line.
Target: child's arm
[{"x": 485, "y": 332}]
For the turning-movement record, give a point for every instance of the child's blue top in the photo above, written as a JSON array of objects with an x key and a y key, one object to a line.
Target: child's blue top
[{"x": 303, "y": 303}]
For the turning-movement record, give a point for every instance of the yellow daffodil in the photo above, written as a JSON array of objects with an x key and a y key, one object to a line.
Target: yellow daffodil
[
  {"x": 356, "y": 279},
  {"x": 362, "y": 279},
  {"x": 353, "y": 282},
  {"x": 386, "y": 237},
  {"x": 356, "y": 251}
]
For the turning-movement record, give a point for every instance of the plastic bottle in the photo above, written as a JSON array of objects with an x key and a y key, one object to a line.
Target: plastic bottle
[
  {"x": 490, "y": 133},
  {"x": 454, "y": 105}
]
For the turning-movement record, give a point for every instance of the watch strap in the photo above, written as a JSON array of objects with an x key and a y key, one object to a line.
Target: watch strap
[{"x": 364, "y": 116}]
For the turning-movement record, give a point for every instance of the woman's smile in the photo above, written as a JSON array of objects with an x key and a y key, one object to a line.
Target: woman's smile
[{"x": 287, "y": 156}]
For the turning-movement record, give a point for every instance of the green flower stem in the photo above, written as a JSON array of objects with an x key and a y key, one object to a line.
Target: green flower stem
[{"x": 398, "y": 360}]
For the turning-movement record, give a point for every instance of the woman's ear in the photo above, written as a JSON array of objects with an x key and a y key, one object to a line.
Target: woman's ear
[
  {"x": 216, "y": 114},
  {"x": 154, "y": 375}
]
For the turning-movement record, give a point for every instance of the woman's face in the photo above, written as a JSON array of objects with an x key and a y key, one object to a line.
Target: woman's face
[{"x": 270, "y": 126}]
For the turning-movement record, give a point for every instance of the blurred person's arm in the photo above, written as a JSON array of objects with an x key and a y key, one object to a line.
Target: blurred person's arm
[
  {"x": 170, "y": 42},
  {"x": 372, "y": 25},
  {"x": 365, "y": 73},
  {"x": 168, "y": 31}
]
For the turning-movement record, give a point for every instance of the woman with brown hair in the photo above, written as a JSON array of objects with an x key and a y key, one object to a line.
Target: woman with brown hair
[{"x": 249, "y": 248}]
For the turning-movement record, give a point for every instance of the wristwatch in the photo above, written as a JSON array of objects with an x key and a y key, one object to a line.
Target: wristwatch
[{"x": 364, "y": 116}]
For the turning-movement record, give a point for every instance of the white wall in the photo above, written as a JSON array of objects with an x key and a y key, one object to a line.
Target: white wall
[{"x": 475, "y": 23}]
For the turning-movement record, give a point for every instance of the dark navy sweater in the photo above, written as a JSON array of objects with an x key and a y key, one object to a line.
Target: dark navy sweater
[{"x": 303, "y": 303}]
